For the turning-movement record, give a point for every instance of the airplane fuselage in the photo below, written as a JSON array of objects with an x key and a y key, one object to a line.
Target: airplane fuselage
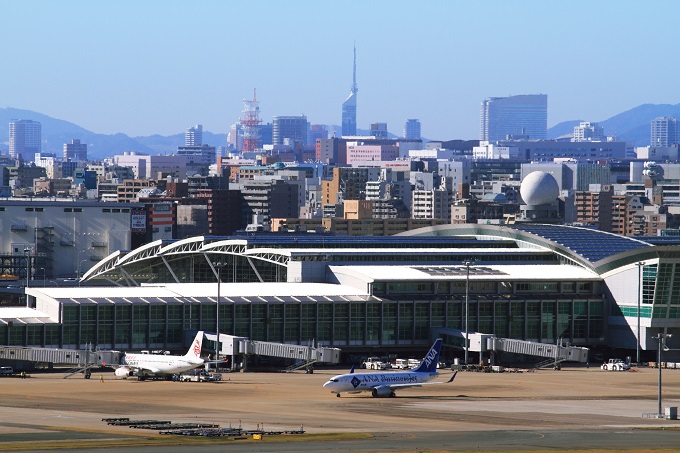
[
  {"x": 366, "y": 382},
  {"x": 163, "y": 364}
]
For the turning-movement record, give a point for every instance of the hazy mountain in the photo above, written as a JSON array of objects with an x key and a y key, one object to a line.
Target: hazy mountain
[
  {"x": 167, "y": 145},
  {"x": 56, "y": 132},
  {"x": 631, "y": 126}
]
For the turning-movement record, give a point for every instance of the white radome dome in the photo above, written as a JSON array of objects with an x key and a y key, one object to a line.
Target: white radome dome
[{"x": 539, "y": 188}]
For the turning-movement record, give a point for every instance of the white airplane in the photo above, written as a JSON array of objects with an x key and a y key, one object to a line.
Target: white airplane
[
  {"x": 384, "y": 384},
  {"x": 145, "y": 365}
]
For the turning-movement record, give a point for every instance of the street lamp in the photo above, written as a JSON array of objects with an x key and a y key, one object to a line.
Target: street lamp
[
  {"x": 639, "y": 265},
  {"x": 27, "y": 251},
  {"x": 467, "y": 265},
  {"x": 219, "y": 265},
  {"x": 661, "y": 337}
]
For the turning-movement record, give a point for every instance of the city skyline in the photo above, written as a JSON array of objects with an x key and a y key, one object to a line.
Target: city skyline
[{"x": 124, "y": 68}]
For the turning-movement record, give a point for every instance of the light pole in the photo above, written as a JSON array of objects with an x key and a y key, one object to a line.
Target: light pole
[
  {"x": 43, "y": 272},
  {"x": 27, "y": 251},
  {"x": 639, "y": 265},
  {"x": 467, "y": 308},
  {"x": 219, "y": 266},
  {"x": 661, "y": 337}
]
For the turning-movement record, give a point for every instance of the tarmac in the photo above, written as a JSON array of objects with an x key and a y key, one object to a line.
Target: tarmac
[{"x": 543, "y": 409}]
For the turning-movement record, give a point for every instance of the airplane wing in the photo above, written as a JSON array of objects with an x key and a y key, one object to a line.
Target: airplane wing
[{"x": 146, "y": 369}]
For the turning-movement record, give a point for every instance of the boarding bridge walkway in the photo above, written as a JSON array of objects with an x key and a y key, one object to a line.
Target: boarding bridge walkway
[
  {"x": 482, "y": 342},
  {"x": 82, "y": 358},
  {"x": 306, "y": 356}
]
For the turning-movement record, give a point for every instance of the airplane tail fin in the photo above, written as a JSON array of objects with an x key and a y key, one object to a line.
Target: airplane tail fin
[
  {"x": 195, "y": 348},
  {"x": 430, "y": 361}
]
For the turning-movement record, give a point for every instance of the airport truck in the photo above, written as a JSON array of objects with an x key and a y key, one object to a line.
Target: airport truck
[
  {"x": 374, "y": 363},
  {"x": 615, "y": 365}
]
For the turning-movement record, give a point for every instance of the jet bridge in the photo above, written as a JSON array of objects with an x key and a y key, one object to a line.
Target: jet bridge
[
  {"x": 482, "y": 342},
  {"x": 55, "y": 356},
  {"x": 305, "y": 356}
]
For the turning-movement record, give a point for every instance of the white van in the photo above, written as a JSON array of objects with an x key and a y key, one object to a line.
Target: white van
[{"x": 6, "y": 371}]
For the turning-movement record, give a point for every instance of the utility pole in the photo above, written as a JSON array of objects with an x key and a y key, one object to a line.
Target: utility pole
[
  {"x": 639, "y": 265},
  {"x": 467, "y": 309}
]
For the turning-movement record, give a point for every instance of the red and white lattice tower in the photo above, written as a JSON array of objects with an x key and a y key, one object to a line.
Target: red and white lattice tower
[{"x": 250, "y": 123}]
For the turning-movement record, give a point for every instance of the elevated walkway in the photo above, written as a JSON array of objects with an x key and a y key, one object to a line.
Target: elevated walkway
[
  {"x": 482, "y": 342},
  {"x": 308, "y": 354},
  {"x": 79, "y": 358}
]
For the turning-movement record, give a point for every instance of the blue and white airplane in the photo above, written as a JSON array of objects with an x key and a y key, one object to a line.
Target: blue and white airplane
[{"x": 384, "y": 384}]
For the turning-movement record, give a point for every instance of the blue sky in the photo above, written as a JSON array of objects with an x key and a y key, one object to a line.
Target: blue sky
[{"x": 145, "y": 67}]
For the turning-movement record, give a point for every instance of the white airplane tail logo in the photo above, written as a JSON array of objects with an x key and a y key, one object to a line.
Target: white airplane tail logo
[{"x": 195, "y": 349}]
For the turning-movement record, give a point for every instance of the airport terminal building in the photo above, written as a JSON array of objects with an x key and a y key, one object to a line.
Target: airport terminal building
[{"x": 363, "y": 295}]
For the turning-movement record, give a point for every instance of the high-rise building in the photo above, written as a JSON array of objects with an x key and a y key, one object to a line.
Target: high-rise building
[
  {"x": 588, "y": 132},
  {"x": 522, "y": 115},
  {"x": 349, "y": 107},
  {"x": 379, "y": 130},
  {"x": 665, "y": 131},
  {"x": 194, "y": 136},
  {"x": 75, "y": 150},
  {"x": 317, "y": 131},
  {"x": 412, "y": 129},
  {"x": 293, "y": 128},
  {"x": 24, "y": 139}
]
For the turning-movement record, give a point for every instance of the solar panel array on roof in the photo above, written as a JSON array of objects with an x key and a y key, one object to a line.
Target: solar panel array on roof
[
  {"x": 661, "y": 240},
  {"x": 592, "y": 245}
]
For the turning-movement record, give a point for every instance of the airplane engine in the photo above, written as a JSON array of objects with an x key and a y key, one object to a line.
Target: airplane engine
[
  {"x": 382, "y": 392},
  {"x": 123, "y": 372}
]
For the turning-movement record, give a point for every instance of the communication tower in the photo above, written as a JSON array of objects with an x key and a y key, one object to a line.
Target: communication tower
[{"x": 250, "y": 123}]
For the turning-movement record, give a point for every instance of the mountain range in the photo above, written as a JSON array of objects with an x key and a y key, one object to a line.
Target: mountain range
[{"x": 631, "y": 126}]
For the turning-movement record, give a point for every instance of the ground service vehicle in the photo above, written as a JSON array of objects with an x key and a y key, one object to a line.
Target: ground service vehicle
[
  {"x": 374, "y": 363},
  {"x": 6, "y": 371},
  {"x": 615, "y": 365},
  {"x": 400, "y": 364}
]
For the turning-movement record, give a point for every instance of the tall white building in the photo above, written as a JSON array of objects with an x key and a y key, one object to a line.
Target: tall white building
[
  {"x": 194, "y": 136},
  {"x": 412, "y": 129},
  {"x": 665, "y": 131},
  {"x": 588, "y": 132},
  {"x": 24, "y": 139},
  {"x": 522, "y": 115}
]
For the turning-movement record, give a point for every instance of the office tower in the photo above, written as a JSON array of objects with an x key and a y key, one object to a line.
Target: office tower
[
  {"x": 525, "y": 115},
  {"x": 317, "y": 131},
  {"x": 293, "y": 128},
  {"x": 75, "y": 150},
  {"x": 24, "y": 139},
  {"x": 665, "y": 131},
  {"x": 194, "y": 136},
  {"x": 379, "y": 130},
  {"x": 349, "y": 107},
  {"x": 412, "y": 129},
  {"x": 588, "y": 132}
]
